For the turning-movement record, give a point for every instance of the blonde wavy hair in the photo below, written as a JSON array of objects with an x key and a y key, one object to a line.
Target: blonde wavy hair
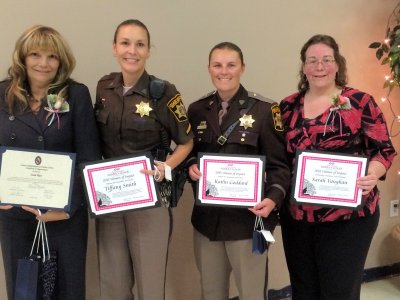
[{"x": 38, "y": 37}]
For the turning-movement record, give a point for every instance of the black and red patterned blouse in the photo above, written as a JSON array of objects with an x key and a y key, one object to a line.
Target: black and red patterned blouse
[{"x": 360, "y": 130}]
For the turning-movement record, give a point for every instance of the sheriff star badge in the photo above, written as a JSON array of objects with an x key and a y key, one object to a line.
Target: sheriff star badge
[
  {"x": 246, "y": 121},
  {"x": 143, "y": 108}
]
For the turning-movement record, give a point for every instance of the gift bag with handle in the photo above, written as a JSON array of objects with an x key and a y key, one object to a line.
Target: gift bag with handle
[
  {"x": 27, "y": 279},
  {"x": 37, "y": 273},
  {"x": 259, "y": 242}
]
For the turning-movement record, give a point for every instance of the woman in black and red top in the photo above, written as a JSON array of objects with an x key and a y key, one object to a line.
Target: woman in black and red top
[{"x": 326, "y": 247}]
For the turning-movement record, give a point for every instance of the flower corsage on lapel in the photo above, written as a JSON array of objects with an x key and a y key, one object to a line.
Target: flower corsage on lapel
[
  {"x": 339, "y": 103},
  {"x": 56, "y": 105}
]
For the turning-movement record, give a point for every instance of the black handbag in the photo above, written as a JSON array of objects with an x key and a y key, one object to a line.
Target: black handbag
[{"x": 37, "y": 274}]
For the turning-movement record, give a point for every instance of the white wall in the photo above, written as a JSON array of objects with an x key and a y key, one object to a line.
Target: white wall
[{"x": 270, "y": 33}]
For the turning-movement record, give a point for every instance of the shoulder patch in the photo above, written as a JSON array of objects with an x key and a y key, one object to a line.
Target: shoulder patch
[
  {"x": 176, "y": 106},
  {"x": 276, "y": 115},
  {"x": 259, "y": 97}
]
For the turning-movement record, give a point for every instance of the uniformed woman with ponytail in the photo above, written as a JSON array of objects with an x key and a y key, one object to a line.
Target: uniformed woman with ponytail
[{"x": 133, "y": 245}]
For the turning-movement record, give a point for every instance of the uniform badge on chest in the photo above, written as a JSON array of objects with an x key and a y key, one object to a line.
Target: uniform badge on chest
[
  {"x": 143, "y": 109},
  {"x": 246, "y": 121}
]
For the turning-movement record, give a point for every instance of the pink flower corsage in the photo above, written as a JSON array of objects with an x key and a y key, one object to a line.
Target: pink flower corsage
[
  {"x": 339, "y": 103},
  {"x": 56, "y": 105}
]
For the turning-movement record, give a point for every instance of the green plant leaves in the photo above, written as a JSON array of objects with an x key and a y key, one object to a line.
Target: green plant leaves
[
  {"x": 389, "y": 50},
  {"x": 375, "y": 45}
]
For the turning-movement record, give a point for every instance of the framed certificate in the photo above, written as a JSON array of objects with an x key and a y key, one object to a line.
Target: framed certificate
[
  {"x": 327, "y": 179},
  {"x": 236, "y": 181},
  {"x": 117, "y": 185},
  {"x": 40, "y": 179}
]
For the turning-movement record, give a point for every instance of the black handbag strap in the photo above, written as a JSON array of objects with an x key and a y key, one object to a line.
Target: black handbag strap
[{"x": 224, "y": 137}]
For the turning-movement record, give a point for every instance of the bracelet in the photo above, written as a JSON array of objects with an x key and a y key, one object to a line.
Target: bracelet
[
  {"x": 67, "y": 215},
  {"x": 167, "y": 171},
  {"x": 157, "y": 175}
]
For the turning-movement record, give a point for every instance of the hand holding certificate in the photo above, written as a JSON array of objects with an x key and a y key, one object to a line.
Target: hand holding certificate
[
  {"x": 230, "y": 180},
  {"x": 328, "y": 179},
  {"x": 40, "y": 179},
  {"x": 117, "y": 185}
]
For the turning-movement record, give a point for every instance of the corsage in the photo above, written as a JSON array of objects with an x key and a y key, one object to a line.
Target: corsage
[{"x": 56, "y": 105}]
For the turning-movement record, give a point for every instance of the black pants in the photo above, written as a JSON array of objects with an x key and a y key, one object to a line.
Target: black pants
[
  {"x": 68, "y": 238},
  {"x": 326, "y": 260}
]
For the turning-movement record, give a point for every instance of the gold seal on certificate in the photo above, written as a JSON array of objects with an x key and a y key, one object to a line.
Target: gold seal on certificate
[
  {"x": 39, "y": 179},
  {"x": 116, "y": 185},
  {"x": 230, "y": 180},
  {"x": 327, "y": 179}
]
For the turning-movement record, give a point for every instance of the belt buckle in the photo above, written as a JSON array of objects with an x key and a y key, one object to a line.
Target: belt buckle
[{"x": 221, "y": 140}]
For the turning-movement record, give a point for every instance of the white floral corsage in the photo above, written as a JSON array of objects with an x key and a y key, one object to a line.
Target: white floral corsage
[
  {"x": 56, "y": 105},
  {"x": 339, "y": 103}
]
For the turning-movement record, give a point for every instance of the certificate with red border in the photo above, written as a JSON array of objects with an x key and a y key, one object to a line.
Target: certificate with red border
[
  {"x": 327, "y": 179},
  {"x": 117, "y": 185},
  {"x": 230, "y": 180}
]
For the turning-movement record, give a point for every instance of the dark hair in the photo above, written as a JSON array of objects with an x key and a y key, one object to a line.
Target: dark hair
[
  {"x": 227, "y": 45},
  {"x": 341, "y": 76},
  {"x": 131, "y": 22}
]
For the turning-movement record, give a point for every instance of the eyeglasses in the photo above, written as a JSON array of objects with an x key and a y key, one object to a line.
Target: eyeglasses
[{"x": 326, "y": 61}]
